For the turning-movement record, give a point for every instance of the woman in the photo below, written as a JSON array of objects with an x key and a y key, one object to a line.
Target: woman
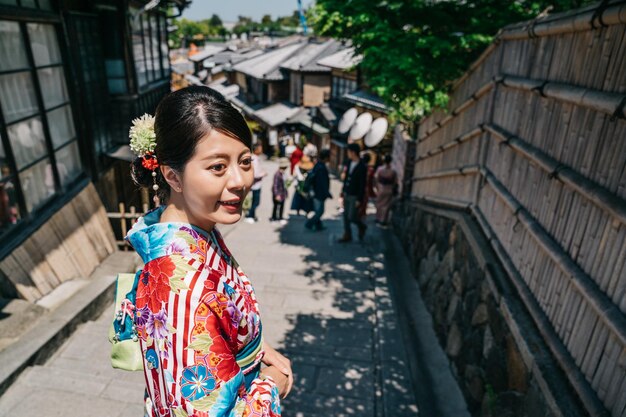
[
  {"x": 196, "y": 314},
  {"x": 369, "y": 185},
  {"x": 300, "y": 200},
  {"x": 296, "y": 156},
  {"x": 386, "y": 181},
  {"x": 279, "y": 191},
  {"x": 290, "y": 148}
]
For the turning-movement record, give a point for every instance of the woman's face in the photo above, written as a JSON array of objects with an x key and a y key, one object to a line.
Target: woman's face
[{"x": 215, "y": 180}]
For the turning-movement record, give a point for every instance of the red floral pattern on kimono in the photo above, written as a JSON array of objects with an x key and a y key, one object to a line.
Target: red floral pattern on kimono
[{"x": 199, "y": 326}]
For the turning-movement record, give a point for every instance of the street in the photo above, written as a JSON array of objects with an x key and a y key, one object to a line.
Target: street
[{"x": 325, "y": 305}]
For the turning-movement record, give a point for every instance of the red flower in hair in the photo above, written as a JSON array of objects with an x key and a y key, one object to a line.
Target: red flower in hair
[{"x": 150, "y": 162}]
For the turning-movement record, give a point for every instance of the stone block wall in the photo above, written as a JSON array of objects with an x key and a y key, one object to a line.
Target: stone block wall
[{"x": 470, "y": 326}]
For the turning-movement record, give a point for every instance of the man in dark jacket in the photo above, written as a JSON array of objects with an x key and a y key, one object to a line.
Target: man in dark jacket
[
  {"x": 353, "y": 192},
  {"x": 320, "y": 187}
]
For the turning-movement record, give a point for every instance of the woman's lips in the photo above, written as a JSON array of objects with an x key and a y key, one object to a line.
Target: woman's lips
[{"x": 231, "y": 205}]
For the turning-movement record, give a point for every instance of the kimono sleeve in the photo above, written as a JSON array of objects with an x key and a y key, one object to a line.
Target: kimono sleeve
[{"x": 216, "y": 384}]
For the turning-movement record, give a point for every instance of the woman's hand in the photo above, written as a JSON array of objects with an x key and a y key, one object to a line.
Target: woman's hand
[
  {"x": 280, "y": 379},
  {"x": 273, "y": 358}
]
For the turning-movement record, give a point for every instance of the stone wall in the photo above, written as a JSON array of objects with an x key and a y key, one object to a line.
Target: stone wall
[{"x": 484, "y": 355}]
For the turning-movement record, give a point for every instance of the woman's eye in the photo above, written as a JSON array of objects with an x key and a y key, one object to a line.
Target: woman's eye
[
  {"x": 246, "y": 161},
  {"x": 217, "y": 167}
]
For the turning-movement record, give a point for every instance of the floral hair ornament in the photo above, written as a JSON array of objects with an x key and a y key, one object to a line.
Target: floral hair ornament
[{"x": 143, "y": 143}]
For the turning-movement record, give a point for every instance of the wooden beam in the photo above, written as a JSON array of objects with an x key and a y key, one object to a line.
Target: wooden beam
[
  {"x": 594, "y": 192},
  {"x": 579, "y": 20},
  {"x": 606, "y": 310},
  {"x": 587, "y": 396}
]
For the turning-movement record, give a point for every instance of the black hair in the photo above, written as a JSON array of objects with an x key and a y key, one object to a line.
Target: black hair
[
  {"x": 324, "y": 155},
  {"x": 388, "y": 159},
  {"x": 182, "y": 119},
  {"x": 366, "y": 157},
  {"x": 354, "y": 147}
]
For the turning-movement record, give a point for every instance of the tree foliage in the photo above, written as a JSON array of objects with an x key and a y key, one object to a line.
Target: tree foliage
[
  {"x": 208, "y": 29},
  {"x": 188, "y": 31},
  {"x": 413, "y": 49},
  {"x": 247, "y": 25}
]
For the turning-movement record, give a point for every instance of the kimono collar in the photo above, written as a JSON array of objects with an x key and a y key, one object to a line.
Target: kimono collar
[{"x": 153, "y": 239}]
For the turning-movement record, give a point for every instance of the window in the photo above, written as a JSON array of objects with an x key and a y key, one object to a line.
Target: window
[
  {"x": 31, "y": 4},
  {"x": 38, "y": 148},
  {"x": 113, "y": 51},
  {"x": 150, "y": 50},
  {"x": 342, "y": 86}
]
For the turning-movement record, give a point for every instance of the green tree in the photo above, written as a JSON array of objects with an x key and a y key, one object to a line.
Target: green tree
[
  {"x": 190, "y": 30},
  {"x": 266, "y": 20},
  {"x": 215, "y": 21},
  {"x": 187, "y": 30},
  {"x": 291, "y": 21},
  {"x": 244, "y": 24},
  {"x": 413, "y": 49}
]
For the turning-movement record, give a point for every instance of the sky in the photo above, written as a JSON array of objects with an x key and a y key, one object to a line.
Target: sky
[{"x": 228, "y": 10}]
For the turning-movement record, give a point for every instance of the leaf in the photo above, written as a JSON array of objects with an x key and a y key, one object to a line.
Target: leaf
[
  {"x": 170, "y": 328},
  {"x": 240, "y": 408},
  {"x": 205, "y": 404},
  {"x": 186, "y": 237},
  {"x": 430, "y": 43},
  {"x": 180, "y": 412},
  {"x": 182, "y": 266},
  {"x": 202, "y": 343},
  {"x": 177, "y": 284}
]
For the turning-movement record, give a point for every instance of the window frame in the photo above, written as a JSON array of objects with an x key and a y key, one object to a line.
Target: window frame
[
  {"x": 37, "y": 7},
  {"x": 153, "y": 75},
  {"x": 30, "y": 220}
]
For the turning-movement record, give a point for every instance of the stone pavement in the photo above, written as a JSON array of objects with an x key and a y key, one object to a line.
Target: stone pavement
[{"x": 325, "y": 305}]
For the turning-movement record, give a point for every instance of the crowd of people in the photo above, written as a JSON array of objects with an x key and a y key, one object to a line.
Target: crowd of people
[{"x": 303, "y": 173}]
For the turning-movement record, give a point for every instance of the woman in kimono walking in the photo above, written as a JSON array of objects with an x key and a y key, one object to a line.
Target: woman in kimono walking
[
  {"x": 386, "y": 181},
  {"x": 196, "y": 314}
]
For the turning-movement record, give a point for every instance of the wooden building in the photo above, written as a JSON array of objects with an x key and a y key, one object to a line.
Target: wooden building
[
  {"x": 73, "y": 74},
  {"x": 260, "y": 78}
]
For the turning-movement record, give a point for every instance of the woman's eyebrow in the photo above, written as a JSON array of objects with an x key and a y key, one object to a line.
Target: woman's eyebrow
[
  {"x": 217, "y": 156},
  {"x": 224, "y": 155}
]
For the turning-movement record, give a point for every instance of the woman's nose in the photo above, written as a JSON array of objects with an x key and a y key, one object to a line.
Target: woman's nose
[{"x": 236, "y": 180}]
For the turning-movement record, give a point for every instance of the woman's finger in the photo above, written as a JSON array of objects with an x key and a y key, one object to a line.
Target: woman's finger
[{"x": 290, "y": 384}]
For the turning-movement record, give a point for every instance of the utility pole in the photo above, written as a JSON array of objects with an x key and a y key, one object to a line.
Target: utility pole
[{"x": 302, "y": 18}]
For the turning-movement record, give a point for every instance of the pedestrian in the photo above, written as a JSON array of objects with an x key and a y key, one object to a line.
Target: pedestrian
[
  {"x": 353, "y": 191},
  {"x": 310, "y": 149},
  {"x": 195, "y": 315},
  {"x": 289, "y": 148},
  {"x": 320, "y": 186},
  {"x": 259, "y": 174},
  {"x": 279, "y": 191},
  {"x": 386, "y": 181},
  {"x": 296, "y": 156},
  {"x": 369, "y": 185},
  {"x": 301, "y": 200}
]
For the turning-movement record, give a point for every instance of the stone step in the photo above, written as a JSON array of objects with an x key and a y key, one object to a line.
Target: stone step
[{"x": 36, "y": 344}]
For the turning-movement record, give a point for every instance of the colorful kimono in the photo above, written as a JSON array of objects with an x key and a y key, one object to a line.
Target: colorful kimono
[{"x": 198, "y": 324}]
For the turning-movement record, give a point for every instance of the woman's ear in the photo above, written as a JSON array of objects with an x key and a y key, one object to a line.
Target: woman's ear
[{"x": 172, "y": 177}]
